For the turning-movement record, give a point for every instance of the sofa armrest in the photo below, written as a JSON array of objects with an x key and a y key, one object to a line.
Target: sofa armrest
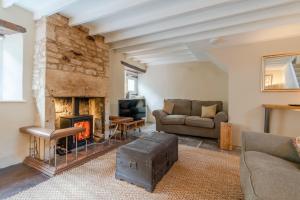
[
  {"x": 279, "y": 146},
  {"x": 158, "y": 114},
  {"x": 220, "y": 117}
]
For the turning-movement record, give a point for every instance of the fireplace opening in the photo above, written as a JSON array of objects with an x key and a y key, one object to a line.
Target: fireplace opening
[
  {"x": 87, "y": 112},
  {"x": 85, "y": 121}
]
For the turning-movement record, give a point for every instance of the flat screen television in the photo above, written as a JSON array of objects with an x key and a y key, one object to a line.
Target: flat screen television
[{"x": 135, "y": 108}]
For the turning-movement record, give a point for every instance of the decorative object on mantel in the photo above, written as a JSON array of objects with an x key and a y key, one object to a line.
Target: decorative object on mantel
[
  {"x": 270, "y": 107},
  {"x": 280, "y": 72},
  {"x": 226, "y": 136},
  {"x": 7, "y": 28}
]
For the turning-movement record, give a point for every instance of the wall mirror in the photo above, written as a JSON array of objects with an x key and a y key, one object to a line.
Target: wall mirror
[{"x": 281, "y": 72}]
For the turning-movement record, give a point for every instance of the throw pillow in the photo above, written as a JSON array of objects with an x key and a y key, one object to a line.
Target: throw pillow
[
  {"x": 168, "y": 107},
  {"x": 209, "y": 111},
  {"x": 296, "y": 143}
]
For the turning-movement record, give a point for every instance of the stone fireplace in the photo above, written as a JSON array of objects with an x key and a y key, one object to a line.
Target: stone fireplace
[{"x": 70, "y": 76}]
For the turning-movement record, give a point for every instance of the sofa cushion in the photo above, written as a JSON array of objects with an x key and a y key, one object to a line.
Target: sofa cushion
[
  {"x": 168, "y": 107},
  {"x": 181, "y": 106},
  {"x": 173, "y": 119},
  {"x": 197, "y": 106},
  {"x": 199, "y": 122},
  {"x": 209, "y": 111},
  {"x": 272, "y": 177}
]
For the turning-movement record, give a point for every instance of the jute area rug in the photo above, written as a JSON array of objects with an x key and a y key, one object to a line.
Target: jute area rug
[{"x": 198, "y": 174}]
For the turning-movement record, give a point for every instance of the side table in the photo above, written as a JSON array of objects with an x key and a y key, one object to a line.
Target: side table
[{"x": 226, "y": 136}]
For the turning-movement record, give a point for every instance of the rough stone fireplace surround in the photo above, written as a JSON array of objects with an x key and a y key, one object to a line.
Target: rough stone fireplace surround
[{"x": 68, "y": 63}]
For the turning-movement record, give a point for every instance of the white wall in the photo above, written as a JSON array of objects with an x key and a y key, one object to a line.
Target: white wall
[
  {"x": 13, "y": 145},
  {"x": 117, "y": 79},
  {"x": 245, "y": 96},
  {"x": 193, "y": 80}
]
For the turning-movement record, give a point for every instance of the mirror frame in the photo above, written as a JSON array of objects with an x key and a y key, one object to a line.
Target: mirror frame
[{"x": 263, "y": 89}]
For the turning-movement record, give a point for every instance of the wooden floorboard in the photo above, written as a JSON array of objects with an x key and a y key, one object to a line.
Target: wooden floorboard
[{"x": 17, "y": 178}]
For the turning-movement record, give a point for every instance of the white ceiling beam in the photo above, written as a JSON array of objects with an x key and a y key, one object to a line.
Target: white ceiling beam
[
  {"x": 179, "y": 53},
  {"x": 256, "y": 17},
  {"x": 110, "y": 8},
  {"x": 159, "y": 10},
  {"x": 213, "y": 34},
  {"x": 157, "y": 51},
  {"x": 149, "y": 60},
  {"x": 53, "y": 7},
  {"x": 8, "y": 3},
  {"x": 171, "y": 61},
  {"x": 194, "y": 17}
]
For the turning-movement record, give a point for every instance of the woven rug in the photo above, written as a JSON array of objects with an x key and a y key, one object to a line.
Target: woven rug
[{"x": 198, "y": 174}]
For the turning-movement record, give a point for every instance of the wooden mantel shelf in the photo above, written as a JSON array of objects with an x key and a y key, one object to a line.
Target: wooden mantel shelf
[{"x": 281, "y": 106}]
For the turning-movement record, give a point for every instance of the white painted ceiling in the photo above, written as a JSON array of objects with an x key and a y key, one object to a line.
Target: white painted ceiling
[{"x": 171, "y": 31}]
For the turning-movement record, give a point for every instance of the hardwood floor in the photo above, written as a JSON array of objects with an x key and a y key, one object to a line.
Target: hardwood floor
[
  {"x": 20, "y": 177},
  {"x": 17, "y": 178}
]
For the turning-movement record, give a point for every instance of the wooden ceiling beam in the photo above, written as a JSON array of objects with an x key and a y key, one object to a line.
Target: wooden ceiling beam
[
  {"x": 7, "y": 28},
  {"x": 135, "y": 68}
]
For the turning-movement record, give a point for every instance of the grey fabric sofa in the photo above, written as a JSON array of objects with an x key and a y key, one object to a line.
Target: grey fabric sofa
[
  {"x": 270, "y": 167},
  {"x": 186, "y": 119}
]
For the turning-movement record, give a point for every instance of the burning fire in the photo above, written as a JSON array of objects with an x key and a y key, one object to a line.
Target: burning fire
[{"x": 85, "y": 134}]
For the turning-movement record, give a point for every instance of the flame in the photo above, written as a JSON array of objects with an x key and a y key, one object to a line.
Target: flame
[{"x": 85, "y": 134}]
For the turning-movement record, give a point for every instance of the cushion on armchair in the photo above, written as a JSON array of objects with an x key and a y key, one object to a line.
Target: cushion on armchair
[{"x": 199, "y": 122}]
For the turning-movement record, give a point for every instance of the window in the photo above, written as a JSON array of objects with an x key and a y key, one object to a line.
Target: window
[
  {"x": 11, "y": 67},
  {"x": 131, "y": 85}
]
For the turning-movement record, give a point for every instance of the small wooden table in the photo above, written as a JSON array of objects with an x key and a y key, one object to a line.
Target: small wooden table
[
  {"x": 133, "y": 125},
  {"x": 116, "y": 123},
  {"x": 124, "y": 124},
  {"x": 226, "y": 136},
  {"x": 270, "y": 107}
]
